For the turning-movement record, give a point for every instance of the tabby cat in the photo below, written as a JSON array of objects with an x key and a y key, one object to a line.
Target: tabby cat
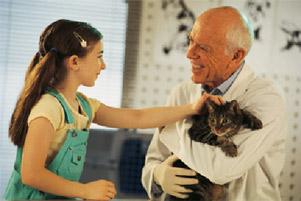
[{"x": 214, "y": 126}]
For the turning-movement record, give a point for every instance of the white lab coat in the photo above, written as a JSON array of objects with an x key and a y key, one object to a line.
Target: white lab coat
[{"x": 251, "y": 176}]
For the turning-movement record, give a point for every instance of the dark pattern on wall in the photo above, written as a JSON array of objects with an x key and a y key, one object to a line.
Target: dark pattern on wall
[
  {"x": 257, "y": 12},
  {"x": 178, "y": 11},
  {"x": 293, "y": 36}
]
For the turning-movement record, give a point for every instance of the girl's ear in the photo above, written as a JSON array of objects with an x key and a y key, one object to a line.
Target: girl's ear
[{"x": 73, "y": 63}]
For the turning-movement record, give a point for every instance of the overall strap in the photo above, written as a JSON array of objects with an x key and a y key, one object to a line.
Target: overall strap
[
  {"x": 86, "y": 106},
  {"x": 68, "y": 114},
  {"x": 17, "y": 164}
]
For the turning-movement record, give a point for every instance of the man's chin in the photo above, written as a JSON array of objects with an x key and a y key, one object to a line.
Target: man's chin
[{"x": 197, "y": 80}]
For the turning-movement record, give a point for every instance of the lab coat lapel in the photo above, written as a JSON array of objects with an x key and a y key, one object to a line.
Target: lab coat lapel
[
  {"x": 240, "y": 85},
  {"x": 170, "y": 138}
]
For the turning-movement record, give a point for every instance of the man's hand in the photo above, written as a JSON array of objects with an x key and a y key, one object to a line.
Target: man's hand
[{"x": 169, "y": 178}]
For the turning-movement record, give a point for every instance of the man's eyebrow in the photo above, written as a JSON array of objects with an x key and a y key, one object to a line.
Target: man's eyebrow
[{"x": 202, "y": 45}]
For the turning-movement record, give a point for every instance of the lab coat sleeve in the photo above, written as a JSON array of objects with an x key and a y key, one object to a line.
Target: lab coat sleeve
[
  {"x": 211, "y": 162},
  {"x": 156, "y": 154}
]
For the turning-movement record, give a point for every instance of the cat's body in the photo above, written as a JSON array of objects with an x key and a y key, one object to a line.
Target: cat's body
[
  {"x": 219, "y": 123},
  {"x": 215, "y": 126}
]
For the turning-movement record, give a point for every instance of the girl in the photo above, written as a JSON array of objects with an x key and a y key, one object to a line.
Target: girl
[{"x": 51, "y": 119}]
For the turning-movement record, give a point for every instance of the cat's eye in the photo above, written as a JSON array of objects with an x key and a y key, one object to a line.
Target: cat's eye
[
  {"x": 213, "y": 121},
  {"x": 226, "y": 121}
]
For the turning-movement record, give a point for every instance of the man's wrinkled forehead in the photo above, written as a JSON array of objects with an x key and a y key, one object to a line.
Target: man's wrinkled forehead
[
  {"x": 200, "y": 29},
  {"x": 195, "y": 28}
]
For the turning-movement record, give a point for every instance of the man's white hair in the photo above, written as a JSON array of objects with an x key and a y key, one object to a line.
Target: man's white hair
[{"x": 240, "y": 35}]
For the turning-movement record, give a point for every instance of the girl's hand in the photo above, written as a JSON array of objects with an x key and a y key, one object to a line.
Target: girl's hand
[
  {"x": 198, "y": 105},
  {"x": 99, "y": 190}
]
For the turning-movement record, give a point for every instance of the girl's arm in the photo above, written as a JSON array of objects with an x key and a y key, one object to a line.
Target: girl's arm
[
  {"x": 150, "y": 117},
  {"x": 33, "y": 171}
]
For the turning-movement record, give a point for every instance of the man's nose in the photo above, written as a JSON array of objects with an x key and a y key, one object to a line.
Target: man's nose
[{"x": 191, "y": 54}]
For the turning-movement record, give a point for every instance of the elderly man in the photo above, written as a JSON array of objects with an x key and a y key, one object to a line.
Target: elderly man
[{"x": 219, "y": 41}]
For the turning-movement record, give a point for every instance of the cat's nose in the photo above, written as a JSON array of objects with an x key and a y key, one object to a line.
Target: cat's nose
[{"x": 218, "y": 132}]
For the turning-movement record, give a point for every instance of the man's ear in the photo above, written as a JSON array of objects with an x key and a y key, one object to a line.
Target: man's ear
[
  {"x": 73, "y": 62},
  {"x": 238, "y": 56}
]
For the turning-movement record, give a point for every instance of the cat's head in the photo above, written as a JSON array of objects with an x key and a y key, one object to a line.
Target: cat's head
[{"x": 224, "y": 119}]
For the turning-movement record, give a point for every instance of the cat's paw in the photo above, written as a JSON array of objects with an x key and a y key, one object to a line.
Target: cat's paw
[
  {"x": 256, "y": 124},
  {"x": 230, "y": 149}
]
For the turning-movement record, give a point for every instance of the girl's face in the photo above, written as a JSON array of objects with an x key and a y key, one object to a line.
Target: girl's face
[{"x": 91, "y": 65}]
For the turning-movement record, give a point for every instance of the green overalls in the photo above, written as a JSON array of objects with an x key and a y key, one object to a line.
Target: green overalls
[{"x": 68, "y": 162}]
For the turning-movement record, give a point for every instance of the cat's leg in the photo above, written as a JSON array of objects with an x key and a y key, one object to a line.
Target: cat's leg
[
  {"x": 173, "y": 198},
  {"x": 227, "y": 146},
  {"x": 251, "y": 121},
  {"x": 217, "y": 192}
]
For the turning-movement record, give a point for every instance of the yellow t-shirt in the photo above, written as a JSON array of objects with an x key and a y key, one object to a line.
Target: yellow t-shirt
[{"x": 50, "y": 108}]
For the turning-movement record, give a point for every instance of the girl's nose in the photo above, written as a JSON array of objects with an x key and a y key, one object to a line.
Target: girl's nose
[{"x": 102, "y": 66}]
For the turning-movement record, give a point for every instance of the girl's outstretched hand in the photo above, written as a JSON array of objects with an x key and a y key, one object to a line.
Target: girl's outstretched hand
[
  {"x": 99, "y": 190},
  {"x": 198, "y": 105}
]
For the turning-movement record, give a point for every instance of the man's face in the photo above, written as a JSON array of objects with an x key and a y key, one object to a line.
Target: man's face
[{"x": 207, "y": 54}]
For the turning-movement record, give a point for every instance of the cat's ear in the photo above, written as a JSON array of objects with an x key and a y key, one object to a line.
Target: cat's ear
[
  {"x": 234, "y": 105},
  {"x": 210, "y": 106}
]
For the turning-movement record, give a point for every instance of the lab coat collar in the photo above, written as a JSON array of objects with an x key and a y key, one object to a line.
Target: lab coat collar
[{"x": 240, "y": 85}]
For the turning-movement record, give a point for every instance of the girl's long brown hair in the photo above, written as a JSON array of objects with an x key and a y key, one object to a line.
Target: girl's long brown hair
[{"x": 57, "y": 42}]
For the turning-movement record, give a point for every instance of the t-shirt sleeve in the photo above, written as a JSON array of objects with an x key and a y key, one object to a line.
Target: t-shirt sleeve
[
  {"x": 49, "y": 108},
  {"x": 94, "y": 104}
]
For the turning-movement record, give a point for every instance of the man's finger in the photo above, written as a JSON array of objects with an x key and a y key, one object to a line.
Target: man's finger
[
  {"x": 179, "y": 195},
  {"x": 185, "y": 181},
  {"x": 181, "y": 189},
  {"x": 183, "y": 172}
]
